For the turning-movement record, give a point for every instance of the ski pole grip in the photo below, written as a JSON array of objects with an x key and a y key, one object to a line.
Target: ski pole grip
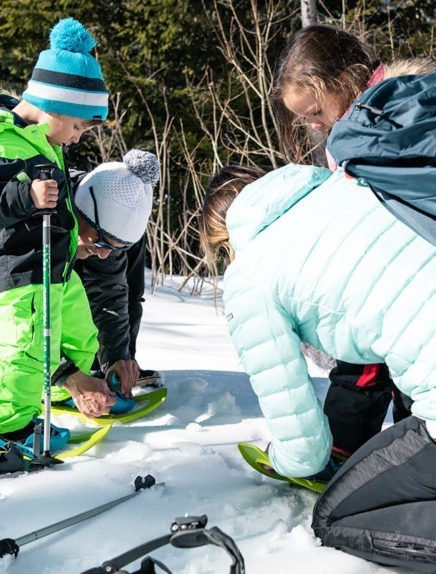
[
  {"x": 8, "y": 546},
  {"x": 45, "y": 173},
  {"x": 144, "y": 482}
]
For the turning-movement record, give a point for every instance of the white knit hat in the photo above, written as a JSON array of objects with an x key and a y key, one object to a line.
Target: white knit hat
[{"x": 123, "y": 193}]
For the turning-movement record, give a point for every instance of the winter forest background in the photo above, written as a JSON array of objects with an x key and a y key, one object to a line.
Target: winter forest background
[{"x": 189, "y": 81}]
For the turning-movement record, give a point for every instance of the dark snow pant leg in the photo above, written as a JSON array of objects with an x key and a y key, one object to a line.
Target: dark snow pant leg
[
  {"x": 136, "y": 282},
  {"x": 356, "y": 404},
  {"x": 402, "y": 405},
  {"x": 381, "y": 505}
]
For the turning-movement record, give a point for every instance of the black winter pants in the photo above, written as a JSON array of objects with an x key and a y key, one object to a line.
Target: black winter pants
[
  {"x": 357, "y": 402},
  {"x": 381, "y": 505},
  {"x": 136, "y": 282}
]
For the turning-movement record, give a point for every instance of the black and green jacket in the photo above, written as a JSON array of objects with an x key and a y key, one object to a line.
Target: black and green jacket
[{"x": 23, "y": 148}]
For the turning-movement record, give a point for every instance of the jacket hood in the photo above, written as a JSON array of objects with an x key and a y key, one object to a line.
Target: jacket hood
[
  {"x": 7, "y": 104},
  {"x": 265, "y": 200}
]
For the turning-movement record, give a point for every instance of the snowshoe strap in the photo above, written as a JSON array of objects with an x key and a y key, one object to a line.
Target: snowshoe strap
[
  {"x": 114, "y": 565},
  {"x": 37, "y": 439},
  {"x": 17, "y": 458},
  {"x": 187, "y": 532},
  {"x": 148, "y": 566},
  {"x": 11, "y": 457},
  {"x": 200, "y": 537},
  {"x": 219, "y": 538}
]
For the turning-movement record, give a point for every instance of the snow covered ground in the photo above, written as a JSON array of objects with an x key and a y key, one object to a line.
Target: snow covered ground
[{"x": 190, "y": 444}]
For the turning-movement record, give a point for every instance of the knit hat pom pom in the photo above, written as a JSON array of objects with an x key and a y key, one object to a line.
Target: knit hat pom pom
[
  {"x": 71, "y": 35},
  {"x": 143, "y": 164}
]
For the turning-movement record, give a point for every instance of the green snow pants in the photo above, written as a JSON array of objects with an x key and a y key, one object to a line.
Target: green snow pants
[{"x": 73, "y": 334}]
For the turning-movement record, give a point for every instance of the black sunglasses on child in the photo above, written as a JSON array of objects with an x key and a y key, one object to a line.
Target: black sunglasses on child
[{"x": 101, "y": 241}]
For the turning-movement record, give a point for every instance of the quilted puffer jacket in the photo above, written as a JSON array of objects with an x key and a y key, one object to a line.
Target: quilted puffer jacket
[{"x": 318, "y": 259}]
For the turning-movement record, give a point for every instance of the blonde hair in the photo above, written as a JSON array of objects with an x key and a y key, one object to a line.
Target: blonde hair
[
  {"x": 413, "y": 66},
  {"x": 324, "y": 60},
  {"x": 222, "y": 190}
]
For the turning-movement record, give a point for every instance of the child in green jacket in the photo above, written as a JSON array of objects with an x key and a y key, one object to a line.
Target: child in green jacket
[{"x": 65, "y": 97}]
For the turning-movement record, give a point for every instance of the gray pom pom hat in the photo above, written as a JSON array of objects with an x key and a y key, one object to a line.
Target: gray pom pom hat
[{"x": 124, "y": 194}]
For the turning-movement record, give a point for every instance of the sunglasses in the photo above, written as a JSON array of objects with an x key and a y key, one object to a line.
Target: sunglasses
[{"x": 101, "y": 240}]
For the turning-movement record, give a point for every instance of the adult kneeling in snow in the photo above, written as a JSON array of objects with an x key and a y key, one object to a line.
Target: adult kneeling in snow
[{"x": 316, "y": 258}]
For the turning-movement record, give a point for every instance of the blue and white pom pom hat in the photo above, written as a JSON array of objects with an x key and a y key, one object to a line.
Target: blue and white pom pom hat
[
  {"x": 67, "y": 79},
  {"x": 124, "y": 195}
]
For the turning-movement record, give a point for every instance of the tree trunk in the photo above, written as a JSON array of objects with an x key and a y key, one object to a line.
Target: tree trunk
[
  {"x": 309, "y": 13},
  {"x": 309, "y": 16}
]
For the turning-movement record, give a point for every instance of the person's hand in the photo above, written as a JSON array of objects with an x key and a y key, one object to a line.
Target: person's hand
[
  {"x": 92, "y": 396},
  {"x": 128, "y": 373},
  {"x": 85, "y": 250},
  {"x": 44, "y": 193}
]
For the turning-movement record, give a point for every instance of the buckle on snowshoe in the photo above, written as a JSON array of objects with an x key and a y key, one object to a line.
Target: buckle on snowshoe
[
  {"x": 31, "y": 446},
  {"x": 188, "y": 523},
  {"x": 59, "y": 437},
  {"x": 15, "y": 458}
]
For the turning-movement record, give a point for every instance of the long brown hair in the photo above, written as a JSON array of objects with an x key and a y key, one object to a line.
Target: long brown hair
[
  {"x": 324, "y": 60},
  {"x": 223, "y": 188}
]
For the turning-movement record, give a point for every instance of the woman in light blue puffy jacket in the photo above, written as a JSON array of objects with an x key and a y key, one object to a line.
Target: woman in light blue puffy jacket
[{"x": 316, "y": 258}]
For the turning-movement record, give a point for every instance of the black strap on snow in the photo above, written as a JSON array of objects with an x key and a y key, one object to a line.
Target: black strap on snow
[
  {"x": 113, "y": 566},
  {"x": 148, "y": 566},
  {"x": 187, "y": 532},
  {"x": 11, "y": 458},
  {"x": 12, "y": 461}
]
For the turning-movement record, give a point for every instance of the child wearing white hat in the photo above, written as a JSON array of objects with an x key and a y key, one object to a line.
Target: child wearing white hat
[
  {"x": 115, "y": 199},
  {"x": 114, "y": 202}
]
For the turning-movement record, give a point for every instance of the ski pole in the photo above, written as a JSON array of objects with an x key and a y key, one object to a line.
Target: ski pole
[
  {"x": 10, "y": 546},
  {"x": 46, "y": 459}
]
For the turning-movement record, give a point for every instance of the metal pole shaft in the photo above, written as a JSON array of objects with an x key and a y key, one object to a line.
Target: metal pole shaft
[
  {"x": 42, "y": 532},
  {"x": 46, "y": 277}
]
